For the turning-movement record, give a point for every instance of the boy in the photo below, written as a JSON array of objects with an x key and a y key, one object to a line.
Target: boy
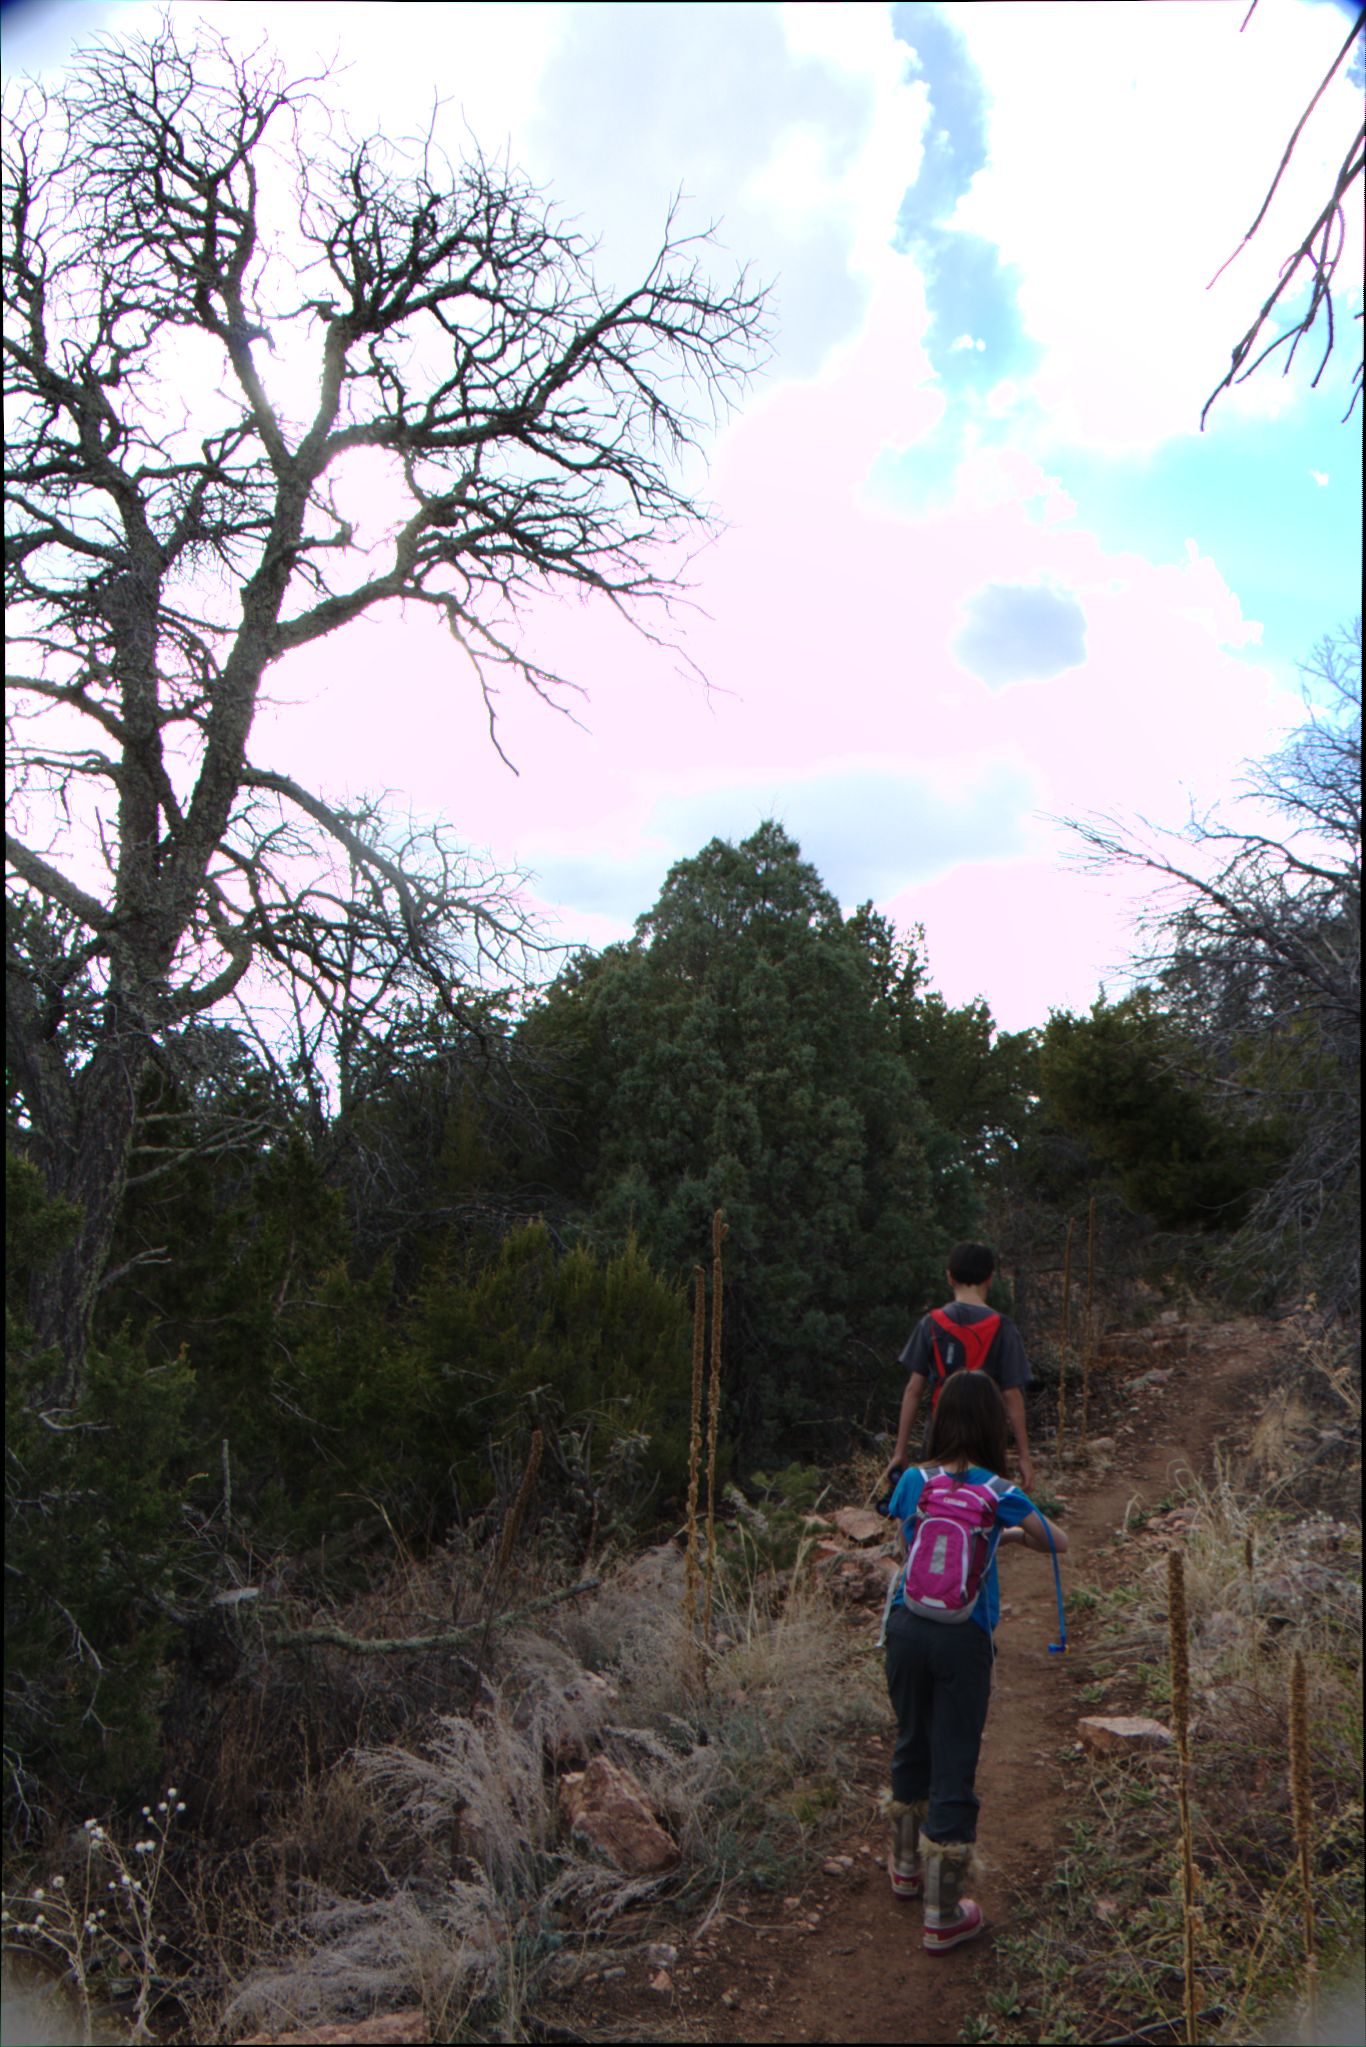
[{"x": 990, "y": 1343}]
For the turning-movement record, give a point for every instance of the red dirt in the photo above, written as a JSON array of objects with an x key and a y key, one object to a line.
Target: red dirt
[{"x": 764, "y": 1973}]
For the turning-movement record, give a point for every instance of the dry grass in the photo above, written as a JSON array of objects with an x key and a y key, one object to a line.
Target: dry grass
[{"x": 497, "y": 1910}]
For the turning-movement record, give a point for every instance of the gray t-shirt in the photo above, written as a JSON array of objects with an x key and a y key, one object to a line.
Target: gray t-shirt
[{"x": 1005, "y": 1362}]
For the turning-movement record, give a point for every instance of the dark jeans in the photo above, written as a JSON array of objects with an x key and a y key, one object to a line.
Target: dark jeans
[{"x": 939, "y": 1676}]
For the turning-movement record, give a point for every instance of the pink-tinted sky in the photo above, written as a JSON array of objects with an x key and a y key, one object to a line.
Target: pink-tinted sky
[{"x": 978, "y": 568}]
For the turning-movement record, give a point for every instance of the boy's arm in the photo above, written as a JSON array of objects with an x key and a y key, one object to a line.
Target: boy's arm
[
  {"x": 910, "y": 1407},
  {"x": 1015, "y": 1415}
]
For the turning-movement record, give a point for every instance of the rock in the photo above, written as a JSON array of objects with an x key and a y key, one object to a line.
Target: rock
[
  {"x": 661, "y": 1572},
  {"x": 1100, "y": 1445},
  {"x": 1124, "y": 1734},
  {"x": 391, "y": 2029},
  {"x": 1154, "y": 1378},
  {"x": 662, "y": 1953},
  {"x": 860, "y": 1524},
  {"x": 609, "y": 1807},
  {"x": 1221, "y": 1629},
  {"x": 731, "y": 1999},
  {"x": 833, "y": 1868},
  {"x": 817, "y": 1521},
  {"x": 662, "y": 1984},
  {"x": 859, "y": 1579}
]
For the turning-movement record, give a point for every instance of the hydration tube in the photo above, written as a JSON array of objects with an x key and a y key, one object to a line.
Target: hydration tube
[{"x": 1058, "y": 1648}]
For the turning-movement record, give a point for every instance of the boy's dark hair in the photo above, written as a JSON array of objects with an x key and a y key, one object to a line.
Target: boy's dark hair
[
  {"x": 970, "y": 1421},
  {"x": 971, "y": 1264}
]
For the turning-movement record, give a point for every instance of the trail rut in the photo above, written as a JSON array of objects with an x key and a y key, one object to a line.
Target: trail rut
[{"x": 860, "y": 1973}]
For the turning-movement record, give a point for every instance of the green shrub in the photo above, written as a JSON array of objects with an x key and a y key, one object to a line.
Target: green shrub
[{"x": 94, "y": 1538}]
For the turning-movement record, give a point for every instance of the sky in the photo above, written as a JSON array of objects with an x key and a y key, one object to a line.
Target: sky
[{"x": 977, "y": 567}]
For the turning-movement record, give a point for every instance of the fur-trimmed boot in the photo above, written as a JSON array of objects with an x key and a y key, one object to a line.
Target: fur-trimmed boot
[
  {"x": 950, "y": 1918},
  {"x": 903, "y": 1851}
]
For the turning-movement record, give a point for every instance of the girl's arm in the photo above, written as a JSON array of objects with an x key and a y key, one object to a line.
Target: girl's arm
[{"x": 1035, "y": 1531}]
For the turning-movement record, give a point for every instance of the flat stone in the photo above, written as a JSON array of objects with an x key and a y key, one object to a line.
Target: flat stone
[
  {"x": 860, "y": 1524},
  {"x": 610, "y": 1808},
  {"x": 1123, "y": 1734}
]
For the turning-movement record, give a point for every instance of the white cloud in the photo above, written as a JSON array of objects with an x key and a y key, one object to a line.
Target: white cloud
[
  {"x": 1320, "y": 477},
  {"x": 1127, "y": 156},
  {"x": 965, "y": 341}
]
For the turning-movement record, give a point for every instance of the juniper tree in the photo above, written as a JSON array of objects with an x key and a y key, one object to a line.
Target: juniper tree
[{"x": 215, "y": 301}]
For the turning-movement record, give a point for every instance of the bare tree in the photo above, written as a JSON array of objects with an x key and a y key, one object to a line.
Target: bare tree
[
  {"x": 188, "y": 244},
  {"x": 1317, "y": 255},
  {"x": 1255, "y": 937}
]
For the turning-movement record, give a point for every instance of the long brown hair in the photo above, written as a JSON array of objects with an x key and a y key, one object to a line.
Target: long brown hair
[{"x": 970, "y": 1421}]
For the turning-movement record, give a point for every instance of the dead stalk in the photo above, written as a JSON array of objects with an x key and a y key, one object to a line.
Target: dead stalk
[
  {"x": 699, "y": 1333},
  {"x": 1066, "y": 1333},
  {"x": 1302, "y": 1810},
  {"x": 718, "y": 1231},
  {"x": 1178, "y": 1633},
  {"x": 512, "y": 1526},
  {"x": 1089, "y": 1336}
]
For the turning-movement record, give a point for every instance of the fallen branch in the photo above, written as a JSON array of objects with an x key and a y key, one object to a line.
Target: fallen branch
[{"x": 387, "y": 1645}]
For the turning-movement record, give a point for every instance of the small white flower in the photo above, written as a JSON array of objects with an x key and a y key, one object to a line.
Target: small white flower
[
  {"x": 90, "y": 1826},
  {"x": 143, "y": 1847},
  {"x": 171, "y": 1791},
  {"x": 181, "y": 1806},
  {"x": 161, "y": 1805},
  {"x": 59, "y": 1883},
  {"x": 124, "y": 1879},
  {"x": 146, "y": 1812},
  {"x": 40, "y": 1892},
  {"x": 41, "y": 1919}
]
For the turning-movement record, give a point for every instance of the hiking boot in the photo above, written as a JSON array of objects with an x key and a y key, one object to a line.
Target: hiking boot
[
  {"x": 903, "y": 1852},
  {"x": 950, "y": 1918},
  {"x": 937, "y": 1940}
]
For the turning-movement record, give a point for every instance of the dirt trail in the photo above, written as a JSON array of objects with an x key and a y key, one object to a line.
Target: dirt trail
[{"x": 861, "y": 1974}]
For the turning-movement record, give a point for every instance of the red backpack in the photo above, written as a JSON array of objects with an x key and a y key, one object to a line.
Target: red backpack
[{"x": 959, "y": 1346}]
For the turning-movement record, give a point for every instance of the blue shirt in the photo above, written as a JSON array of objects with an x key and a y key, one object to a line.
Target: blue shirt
[{"x": 1012, "y": 1508}]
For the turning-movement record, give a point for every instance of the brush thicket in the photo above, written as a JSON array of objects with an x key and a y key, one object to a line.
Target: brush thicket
[
  {"x": 1302, "y": 1812},
  {"x": 1178, "y": 1630}
]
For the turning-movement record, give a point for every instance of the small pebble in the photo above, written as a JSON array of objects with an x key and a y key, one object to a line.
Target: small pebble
[{"x": 730, "y": 1999}]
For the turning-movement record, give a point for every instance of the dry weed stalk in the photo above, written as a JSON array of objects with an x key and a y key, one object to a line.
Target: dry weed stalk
[
  {"x": 718, "y": 1231},
  {"x": 1179, "y": 1636},
  {"x": 1066, "y": 1332},
  {"x": 1089, "y": 1335},
  {"x": 512, "y": 1526},
  {"x": 1302, "y": 1811},
  {"x": 699, "y": 1307},
  {"x": 1249, "y": 1565}
]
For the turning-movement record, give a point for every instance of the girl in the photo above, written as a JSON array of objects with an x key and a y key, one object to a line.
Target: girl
[{"x": 939, "y": 1646}]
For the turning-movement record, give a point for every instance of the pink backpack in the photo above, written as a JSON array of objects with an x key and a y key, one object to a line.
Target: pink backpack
[{"x": 949, "y": 1544}]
